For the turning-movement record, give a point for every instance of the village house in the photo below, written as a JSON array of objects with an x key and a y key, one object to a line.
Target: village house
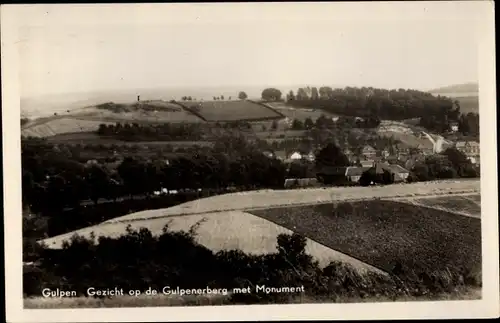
[
  {"x": 280, "y": 154},
  {"x": 331, "y": 174},
  {"x": 269, "y": 154},
  {"x": 397, "y": 172},
  {"x": 350, "y": 155},
  {"x": 385, "y": 153},
  {"x": 353, "y": 174},
  {"x": 402, "y": 151},
  {"x": 426, "y": 149},
  {"x": 296, "y": 155},
  {"x": 368, "y": 152},
  {"x": 400, "y": 173},
  {"x": 454, "y": 126},
  {"x": 310, "y": 157},
  {"x": 366, "y": 163},
  {"x": 469, "y": 148}
]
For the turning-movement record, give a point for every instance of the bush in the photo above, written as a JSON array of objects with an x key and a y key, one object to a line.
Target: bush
[{"x": 139, "y": 260}]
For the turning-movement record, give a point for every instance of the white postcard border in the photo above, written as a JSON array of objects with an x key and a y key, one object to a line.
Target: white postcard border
[{"x": 487, "y": 307}]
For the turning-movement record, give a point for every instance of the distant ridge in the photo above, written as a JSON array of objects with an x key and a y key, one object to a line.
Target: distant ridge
[{"x": 458, "y": 88}]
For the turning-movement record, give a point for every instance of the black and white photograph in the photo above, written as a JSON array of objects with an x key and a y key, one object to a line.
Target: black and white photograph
[{"x": 191, "y": 161}]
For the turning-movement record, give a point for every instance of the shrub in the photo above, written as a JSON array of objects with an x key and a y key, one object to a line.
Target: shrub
[{"x": 139, "y": 260}]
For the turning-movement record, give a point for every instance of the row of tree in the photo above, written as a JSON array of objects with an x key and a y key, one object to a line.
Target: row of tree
[
  {"x": 54, "y": 181},
  {"x": 382, "y": 104},
  {"x": 241, "y": 95},
  {"x": 164, "y": 131}
]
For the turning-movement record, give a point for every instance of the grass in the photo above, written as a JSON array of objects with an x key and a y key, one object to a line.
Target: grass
[
  {"x": 232, "y": 110},
  {"x": 299, "y": 113},
  {"x": 89, "y": 119},
  {"x": 220, "y": 231},
  {"x": 384, "y": 233},
  {"x": 277, "y": 198},
  {"x": 59, "y": 125},
  {"x": 465, "y": 204}
]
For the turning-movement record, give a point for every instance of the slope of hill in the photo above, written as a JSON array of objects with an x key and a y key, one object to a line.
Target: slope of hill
[
  {"x": 87, "y": 119},
  {"x": 457, "y": 88},
  {"x": 240, "y": 110},
  {"x": 251, "y": 221}
]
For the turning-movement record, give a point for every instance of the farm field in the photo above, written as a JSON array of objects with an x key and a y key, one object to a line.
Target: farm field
[
  {"x": 220, "y": 231},
  {"x": 275, "y": 198},
  {"x": 299, "y": 113},
  {"x": 151, "y": 111},
  {"x": 384, "y": 233},
  {"x": 61, "y": 125},
  {"x": 88, "y": 119},
  {"x": 232, "y": 110},
  {"x": 467, "y": 204}
]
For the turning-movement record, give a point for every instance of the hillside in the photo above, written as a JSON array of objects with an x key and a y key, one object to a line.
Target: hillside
[
  {"x": 87, "y": 119},
  {"x": 457, "y": 89},
  {"x": 251, "y": 221}
]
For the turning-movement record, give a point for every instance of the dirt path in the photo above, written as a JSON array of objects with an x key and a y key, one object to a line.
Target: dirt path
[{"x": 255, "y": 200}]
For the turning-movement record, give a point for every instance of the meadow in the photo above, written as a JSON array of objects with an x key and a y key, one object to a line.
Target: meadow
[
  {"x": 262, "y": 199},
  {"x": 468, "y": 204},
  {"x": 58, "y": 125},
  {"x": 387, "y": 234},
  {"x": 351, "y": 253},
  {"x": 232, "y": 230},
  {"x": 300, "y": 113},
  {"x": 231, "y": 110}
]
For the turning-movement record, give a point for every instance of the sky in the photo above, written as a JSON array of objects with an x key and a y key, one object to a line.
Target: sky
[{"x": 68, "y": 49}]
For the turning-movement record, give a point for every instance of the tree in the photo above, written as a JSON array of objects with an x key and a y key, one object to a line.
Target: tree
[
  {"x": 222, "y": 97},
  {"x": 314, "y": 93},
  {"x": 242, "y": 95},
  {"x": 133, "y": 174},
  {"x": 331, "y": 156},
  {"x": 297, "y": 124},
  {"x": 98, "y": 181},
  {"x": 302, "y": 95},
  {"x": 300, "y": 169},
  {"x": 290, "y": 96},
  {"x": 325, "y": 92},
  {"x": 271, "y": 94},
  {"x": 308, "y": 123}
]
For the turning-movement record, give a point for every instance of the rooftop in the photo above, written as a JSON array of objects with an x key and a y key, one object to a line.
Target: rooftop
[{"x": 355, "y": 171}]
